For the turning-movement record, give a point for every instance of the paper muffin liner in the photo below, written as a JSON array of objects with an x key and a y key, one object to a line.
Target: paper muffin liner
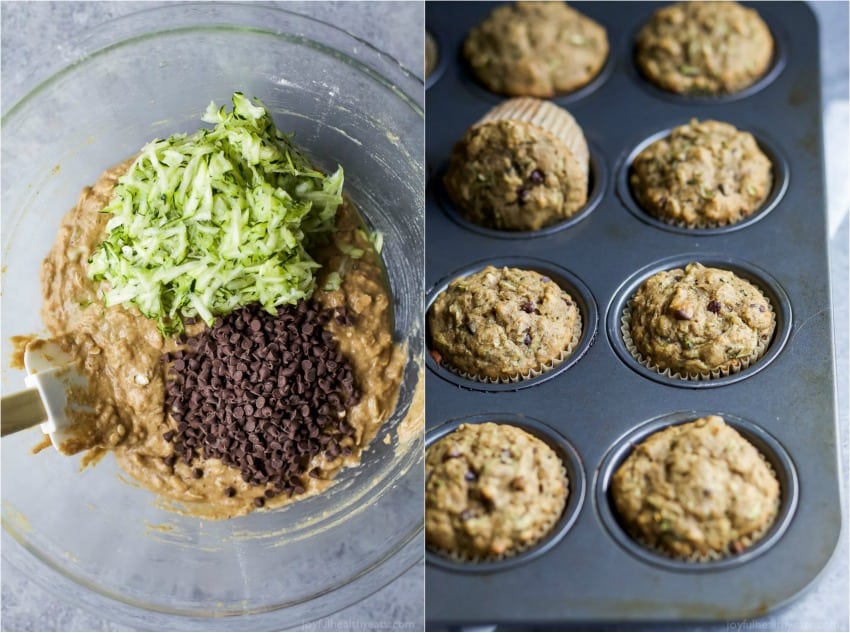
[
  {"x": 732, "y": 368},
  {"x": 546, "y": 115},
  {"x": 701, "y": 222},
  {"x": 519, "y": 548},
  {"x": 545, "y": 367},
  {"x": 747, "y": 541}
]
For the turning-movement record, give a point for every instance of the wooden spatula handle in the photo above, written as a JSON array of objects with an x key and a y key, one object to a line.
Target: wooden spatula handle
[{"x": 20, "y": 411}]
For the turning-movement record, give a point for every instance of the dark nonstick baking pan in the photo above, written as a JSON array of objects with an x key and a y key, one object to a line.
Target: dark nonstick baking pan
[{"x": 589, "y": 571}]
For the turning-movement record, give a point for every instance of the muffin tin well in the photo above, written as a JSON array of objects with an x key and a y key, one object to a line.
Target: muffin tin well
[
  {"x": 597, "y": 186},
  {"x": 773, "y": 451},
  {"x": 758, "y": 277},
  {"x": 781, "y": 45},
  {"x": 575, "y": 498},
  {"x": 602, "y": 399},
  {"x": 477, "y": 90},
  {"x": 627, "y": 197},
  {"x": 579, "y": 292}
]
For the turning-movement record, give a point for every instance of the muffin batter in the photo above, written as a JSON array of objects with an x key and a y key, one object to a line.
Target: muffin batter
[{"x": 121, "y": 350}]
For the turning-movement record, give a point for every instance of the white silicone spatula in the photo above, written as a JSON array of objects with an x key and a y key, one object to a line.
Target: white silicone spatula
[{"x": 50, "y": 378}]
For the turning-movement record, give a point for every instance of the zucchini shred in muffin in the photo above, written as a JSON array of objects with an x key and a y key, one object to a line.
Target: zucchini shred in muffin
[
  {"x": 524, "y": 166},
  {"x": 697, "y": 323},
  {"x": 536, "y": 49},
  {"x": 503, "y": 325},
  {"x": 491, "y": 491},
  {"x": 711, "y": 48},
  {"x": 697, "y": 491},
  {"x": 702, "y": 175}
]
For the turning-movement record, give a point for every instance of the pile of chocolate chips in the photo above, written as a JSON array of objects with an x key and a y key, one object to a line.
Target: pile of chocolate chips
[{"x": 263, "y": 393}]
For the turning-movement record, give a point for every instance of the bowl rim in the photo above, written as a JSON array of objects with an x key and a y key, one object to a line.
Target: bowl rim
[{"x": 102, "y": 37}]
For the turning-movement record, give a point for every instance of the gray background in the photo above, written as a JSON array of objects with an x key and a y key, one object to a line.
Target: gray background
[
  {"x": 35, "y": 42},
  {"x": 36, "y": 39}
]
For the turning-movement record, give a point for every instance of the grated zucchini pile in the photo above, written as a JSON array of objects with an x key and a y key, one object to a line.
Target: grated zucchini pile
[{"x": 207, "y": 223}]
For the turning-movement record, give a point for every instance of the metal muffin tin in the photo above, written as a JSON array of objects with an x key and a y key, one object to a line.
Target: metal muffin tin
[{"x": 589, "y": 571}]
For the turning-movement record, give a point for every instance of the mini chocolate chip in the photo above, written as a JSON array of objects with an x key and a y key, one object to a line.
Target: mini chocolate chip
[
  {"x": 470, "y": 476},
  {"x": 234, "y": 397},
  {"x": 682, "y": 315},
  {"x": 522, "y": 194},
  {"x": 453, "y": 453},
  {"x": 168, "y": 435},
  {"x": 466, "y": 515},
  {"x": 527, "y": 339},
  {"x": 197, "y": 473},
  {"x": 259, "y": 502},
  {"x": 230, "y": 491},
  {"x": 537, "y": 177},
  {"x": 714, "y": 306},
  {"x": 528, "y": 307}
]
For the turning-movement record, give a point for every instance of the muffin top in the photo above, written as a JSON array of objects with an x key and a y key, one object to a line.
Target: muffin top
[
  {"x": 699, "y": 321},
  {"x": 696, "y": 490},
  {"x": 503, "y": 324},
  {"x": 703, "y": 174},
  {"x": 514, "y": 175},
  {"x": 491, "y": 490},
  {"x": 704, "y": 48},
  {"x": 536, "y": 49}
]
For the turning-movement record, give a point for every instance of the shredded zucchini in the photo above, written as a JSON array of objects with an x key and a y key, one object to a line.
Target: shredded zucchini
[{"x": 207, "y": 223}]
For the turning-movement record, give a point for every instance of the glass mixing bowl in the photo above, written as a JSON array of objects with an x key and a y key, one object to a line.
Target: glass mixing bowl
[{"x": 93, "y": 536}]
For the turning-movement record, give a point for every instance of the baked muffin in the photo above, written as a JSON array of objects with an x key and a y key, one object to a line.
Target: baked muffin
[
  {"x": 698, "y": 323},
  {"x": 696, "y": 491},
  {"x": 503, "y": 325},
  {"x": 536, "y": 49},
  {"x": 704, "y": 48},
  {"x": 491, "y": 491},
  {"x": 432, "y": 54},
  {"x": 704, "y": 174},
  {"x": 522, "y": 167}
]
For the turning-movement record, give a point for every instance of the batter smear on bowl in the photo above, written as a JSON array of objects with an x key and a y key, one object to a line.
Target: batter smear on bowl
[{"x": 232, "y": 313}]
